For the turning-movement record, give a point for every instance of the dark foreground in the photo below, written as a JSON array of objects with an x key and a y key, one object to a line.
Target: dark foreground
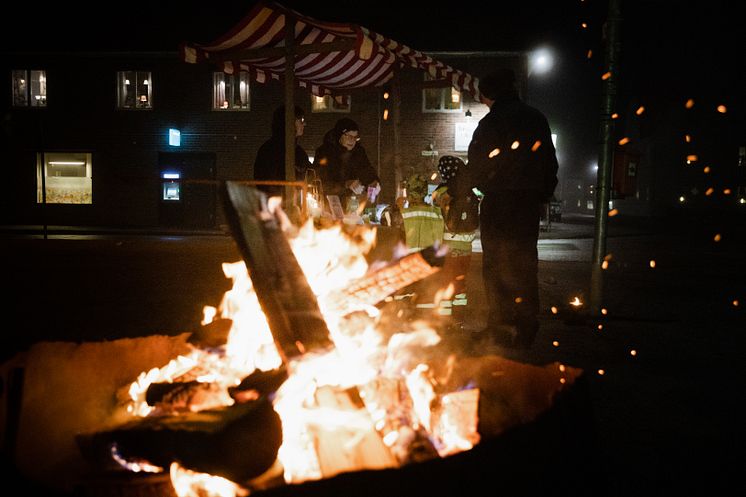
[{"x": 658, "y": 409}]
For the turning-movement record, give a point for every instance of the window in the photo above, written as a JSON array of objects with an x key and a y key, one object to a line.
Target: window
[
  {"x": 29, "y": 88},
  {"x": 327, "y": 103},
  {"x": 65, "y": 177},
  {"x": 446, "y": 99},
  {"x": 134, "y": 90},
  {"x": 230, "y": 91}
]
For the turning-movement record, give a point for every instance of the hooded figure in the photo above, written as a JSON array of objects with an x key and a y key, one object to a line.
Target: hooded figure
[
  {"x": 270, "y": 158},
  {"x": 342, "y": 163}
]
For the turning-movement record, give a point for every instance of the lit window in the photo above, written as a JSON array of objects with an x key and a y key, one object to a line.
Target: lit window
[
  {"x": 64, "y": 178},
  {"x": 444, "y": 99},
  {"x": 230, "y": 91},
  {"x": 328, "y": 103},
  {"x": 29, "y": 88},
  {"x": 134, "y": 90}
]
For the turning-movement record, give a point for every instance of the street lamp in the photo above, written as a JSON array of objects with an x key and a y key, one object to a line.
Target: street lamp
[{"x": 540, "y": 61}]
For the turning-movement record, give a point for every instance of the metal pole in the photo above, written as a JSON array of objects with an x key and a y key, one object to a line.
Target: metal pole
[
  {"x": 606, "y": 155},
  {"x": 289, "y": 105},
  {"x": 396, "y": 117}
]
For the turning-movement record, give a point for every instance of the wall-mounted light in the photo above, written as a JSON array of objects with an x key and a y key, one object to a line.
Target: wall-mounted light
[
  {"x": 468, "y": 113},
  {"x": 174, "y": 137}
]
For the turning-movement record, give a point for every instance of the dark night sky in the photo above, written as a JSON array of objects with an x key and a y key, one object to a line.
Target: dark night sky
[{"x": 670, "y": 50}]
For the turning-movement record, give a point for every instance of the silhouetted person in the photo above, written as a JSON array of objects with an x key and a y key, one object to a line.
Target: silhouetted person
[
  {"x": 270, "y": 158},
  {"x": 512, "y": 161}
]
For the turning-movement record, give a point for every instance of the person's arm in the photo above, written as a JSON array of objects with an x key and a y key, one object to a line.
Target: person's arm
[
  {"x": 261, "y": 164},
  {"x": 477, "y": 166},
  {"x": 366, "y": 173},
  {"x": 302, "y": 162},
  {"x": 323, "y": 164}
]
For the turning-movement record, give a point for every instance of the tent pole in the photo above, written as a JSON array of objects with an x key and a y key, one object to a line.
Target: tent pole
[
  {"x": 289, "y": 105},
  {"x": 396, "y": 117}
]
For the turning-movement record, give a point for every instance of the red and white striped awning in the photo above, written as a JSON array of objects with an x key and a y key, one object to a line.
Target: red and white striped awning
[{"x": 330, "y": 58}]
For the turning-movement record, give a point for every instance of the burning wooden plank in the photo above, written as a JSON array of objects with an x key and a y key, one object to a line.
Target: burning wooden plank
[
  {"x": 375, "y": 286},
  {"x": 351, "y": 445},
  {"x": 239, "y": 442},
  {"x": 388, "y": 399},
  {"x": 281, "y": 287}
]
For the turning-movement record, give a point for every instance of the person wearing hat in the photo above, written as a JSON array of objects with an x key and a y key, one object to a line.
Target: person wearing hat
[
  {"x": 342, "y": 164},
  {"x": 459, "y": 244},
  {"x": 512, "y": 161}
]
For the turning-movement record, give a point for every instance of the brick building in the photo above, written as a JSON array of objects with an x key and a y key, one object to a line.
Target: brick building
[{"x": 87, "y": 142}]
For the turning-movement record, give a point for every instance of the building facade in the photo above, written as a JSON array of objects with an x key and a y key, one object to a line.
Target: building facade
[{"x": 143, "y": 139}]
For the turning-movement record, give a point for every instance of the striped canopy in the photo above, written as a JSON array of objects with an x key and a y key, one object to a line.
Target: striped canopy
[{"x": 330, "y": 58}]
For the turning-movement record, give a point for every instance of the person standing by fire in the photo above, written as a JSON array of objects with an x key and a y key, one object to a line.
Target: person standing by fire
[
  {"x": 343, "y": 166},
  {"x": 269, "y": 164},
  {"x": 512, "y": 160}
]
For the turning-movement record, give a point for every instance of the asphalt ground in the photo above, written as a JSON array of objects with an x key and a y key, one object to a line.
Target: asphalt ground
[{"x": 664, "y": 365}]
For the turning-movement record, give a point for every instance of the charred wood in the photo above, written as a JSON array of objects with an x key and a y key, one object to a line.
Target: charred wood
[
  {"x": 212, "y": 335},
  {"x": 281, "y": 287},
  {"x": 239, "y": 442},
  {"x": 259, "y": 383}
]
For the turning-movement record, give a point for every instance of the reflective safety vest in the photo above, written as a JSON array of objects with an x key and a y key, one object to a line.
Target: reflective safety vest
[
  {"x": 459, "y": 243},
  {"x": 423, "y": 226}
]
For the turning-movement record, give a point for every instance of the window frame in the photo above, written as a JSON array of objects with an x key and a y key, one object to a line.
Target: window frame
[
  {"x": 123, "y": 80},
  {"x": 65, "y": 160},
  {"x": 443, "y": 91},
  {"x": 334, "y": 102},
  {"x": 238, "y": 78},
  {"x": 29, "y": 97}
]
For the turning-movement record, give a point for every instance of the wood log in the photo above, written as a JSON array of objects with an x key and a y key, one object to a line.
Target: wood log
[
  {"x": 259, "y": 383},
  {"x": 378, "y": 284},
  {"x": 239, "y": 442},
  {"x": 390, "y": 399},
  {"x": 286, "y": 298},
  {"x": 212, "y": 335}
]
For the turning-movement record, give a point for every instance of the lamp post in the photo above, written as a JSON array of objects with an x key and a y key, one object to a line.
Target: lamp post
[{"x": 606, "y": 155}]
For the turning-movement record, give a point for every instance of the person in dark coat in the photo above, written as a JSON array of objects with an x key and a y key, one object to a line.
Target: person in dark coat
[
  {"x": 342, "y": 163},
  {"x": 270, "y": 158},
  {"x": 512, "y": 160}
]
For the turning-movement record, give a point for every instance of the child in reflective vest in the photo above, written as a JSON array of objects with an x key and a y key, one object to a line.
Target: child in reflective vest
[{"x": 423, "y": 223}]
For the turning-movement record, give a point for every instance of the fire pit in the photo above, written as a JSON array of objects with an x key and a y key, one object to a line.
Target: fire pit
[{"x": 294, "y": 384}]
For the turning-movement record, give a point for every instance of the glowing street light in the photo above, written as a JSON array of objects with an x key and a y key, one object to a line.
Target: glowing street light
[{"x": 540, "y": 61}]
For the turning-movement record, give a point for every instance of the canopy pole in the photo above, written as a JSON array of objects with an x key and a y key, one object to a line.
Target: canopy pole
[
  {"x": 396, "y": 117},
  {"x": 289, "y": 104}
]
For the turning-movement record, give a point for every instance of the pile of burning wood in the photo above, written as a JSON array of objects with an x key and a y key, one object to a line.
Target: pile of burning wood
[{"x": 295, "y": 377}]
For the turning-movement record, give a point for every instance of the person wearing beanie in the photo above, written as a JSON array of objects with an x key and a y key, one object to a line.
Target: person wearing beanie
[
  {"x": 512, "y": 161},
  {"x": 459, "y": 244},
  {"x": 342, "y": 164},
  {"x": 269, "y": 164}
]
